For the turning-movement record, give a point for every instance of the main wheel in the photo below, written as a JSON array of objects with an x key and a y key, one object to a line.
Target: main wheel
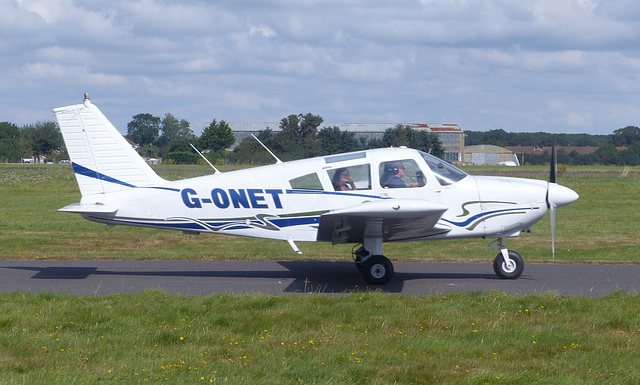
[
  {"x": 511, "y": 270},
  {"x": 377, "y": 270}
]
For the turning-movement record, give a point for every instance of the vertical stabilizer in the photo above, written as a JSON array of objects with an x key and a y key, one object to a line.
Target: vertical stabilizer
[{"x": 102, "y": 159}]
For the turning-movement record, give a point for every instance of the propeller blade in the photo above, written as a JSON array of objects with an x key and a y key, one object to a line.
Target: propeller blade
[
  {"x": 554, "y": 162},
  {"x": 553, "y": 173},
  {"x": 552, "y": 213}
]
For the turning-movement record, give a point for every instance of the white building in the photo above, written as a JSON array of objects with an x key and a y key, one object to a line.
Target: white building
[{"x": 488, "y": 154}]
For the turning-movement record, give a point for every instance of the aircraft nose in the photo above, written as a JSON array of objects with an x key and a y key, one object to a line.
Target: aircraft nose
[{"x": 560, "y": 195}]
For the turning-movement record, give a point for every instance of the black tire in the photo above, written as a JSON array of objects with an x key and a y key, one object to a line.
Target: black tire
[
  {"x": 377, "y": 270},
  {"x": 508, "y": 272}
]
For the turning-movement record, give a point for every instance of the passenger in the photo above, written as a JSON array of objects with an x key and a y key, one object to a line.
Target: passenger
[
  {"x": 342, "y": 180},
  {"x": 393, "y": 172}
]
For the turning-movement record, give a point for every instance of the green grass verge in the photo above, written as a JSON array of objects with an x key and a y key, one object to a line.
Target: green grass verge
[{"x": 478, "y": 338}]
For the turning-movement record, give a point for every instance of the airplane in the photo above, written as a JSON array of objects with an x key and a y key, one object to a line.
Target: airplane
[{"x": 366, "y": 198}]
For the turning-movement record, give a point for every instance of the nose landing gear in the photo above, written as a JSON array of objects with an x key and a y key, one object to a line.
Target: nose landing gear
[{"x": 508, "y": 263}]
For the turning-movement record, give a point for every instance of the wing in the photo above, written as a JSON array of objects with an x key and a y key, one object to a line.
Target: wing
[{"x": 391, "y": 219}]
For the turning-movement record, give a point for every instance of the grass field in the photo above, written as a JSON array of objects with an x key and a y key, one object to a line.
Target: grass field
[{"x": 373, "y": 337}]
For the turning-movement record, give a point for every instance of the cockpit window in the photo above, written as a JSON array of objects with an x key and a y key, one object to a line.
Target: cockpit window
[
  {"x": 401, "y": 174},
  {"x": 351, "y": 178},
  {"x": 306, "y": 182},
  {"x": 444, "y": 172}
]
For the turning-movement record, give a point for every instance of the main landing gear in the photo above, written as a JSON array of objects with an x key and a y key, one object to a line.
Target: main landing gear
[
  {"x": 508, "y": 264},
  {"x": 375, "y": 269}
]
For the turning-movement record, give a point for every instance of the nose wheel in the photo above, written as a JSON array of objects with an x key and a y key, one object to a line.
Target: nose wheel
[{"x": 508, "y": 263}]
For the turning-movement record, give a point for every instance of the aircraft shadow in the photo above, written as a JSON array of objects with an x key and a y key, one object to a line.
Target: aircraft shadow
[{"x": 308, "y": 276}]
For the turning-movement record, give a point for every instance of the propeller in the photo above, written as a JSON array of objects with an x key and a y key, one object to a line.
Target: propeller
[
  {"x": 557, "y": 195},
  {"x": 553, "y": 173}
]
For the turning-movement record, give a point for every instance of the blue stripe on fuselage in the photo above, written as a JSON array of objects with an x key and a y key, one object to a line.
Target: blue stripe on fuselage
[
  {"x": 195, "y": 225},
  {"x": 478, "y": 216},
  {"x": 338, "y": 193}
]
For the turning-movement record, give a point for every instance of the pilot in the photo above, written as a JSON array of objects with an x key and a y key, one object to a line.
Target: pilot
[
  {"x": 393, "y": 172},
  {"x": 342, "y": 180}
]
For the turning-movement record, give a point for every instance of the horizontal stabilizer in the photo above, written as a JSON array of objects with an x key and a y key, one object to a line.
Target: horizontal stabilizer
[{"x": 95, "y": 208}]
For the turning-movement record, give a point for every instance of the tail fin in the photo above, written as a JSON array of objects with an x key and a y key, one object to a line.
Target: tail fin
[{"x": 103, "y": 160}]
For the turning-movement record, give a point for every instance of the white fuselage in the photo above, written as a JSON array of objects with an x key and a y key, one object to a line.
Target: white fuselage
[{"x": 285, "y": 201}]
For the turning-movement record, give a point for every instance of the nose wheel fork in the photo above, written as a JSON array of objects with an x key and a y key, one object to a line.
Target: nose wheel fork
[{"x": 508, "y": 263}]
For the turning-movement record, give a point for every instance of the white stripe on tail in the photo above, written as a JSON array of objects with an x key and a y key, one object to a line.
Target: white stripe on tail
[{"x": 103, "y": 161}]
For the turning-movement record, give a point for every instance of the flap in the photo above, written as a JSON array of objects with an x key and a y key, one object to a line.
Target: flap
[{"x": 390, "y": 219}]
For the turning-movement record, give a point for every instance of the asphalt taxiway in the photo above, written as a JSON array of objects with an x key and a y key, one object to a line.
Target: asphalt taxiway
[{"x": 201, "y": 278}]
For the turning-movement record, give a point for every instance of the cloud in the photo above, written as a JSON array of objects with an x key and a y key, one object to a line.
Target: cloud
[
  {"x": 49, "y": 10},
  {"x": 482, "y": 64},
  {"x": 69, "y": 75},
  {"x": 263, "y": 30},
  {"x": 250, "y": 101}
]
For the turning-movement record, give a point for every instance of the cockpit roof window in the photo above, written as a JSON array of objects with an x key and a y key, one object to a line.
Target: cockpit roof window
[
  {"x": 343, "y": 157},
  {"x": 443, "y": 171}
]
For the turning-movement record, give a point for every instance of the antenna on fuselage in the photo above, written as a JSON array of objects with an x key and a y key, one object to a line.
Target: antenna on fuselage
[
  {"x": 205, "y": 159},
  {"x": 278, "y": 161}
]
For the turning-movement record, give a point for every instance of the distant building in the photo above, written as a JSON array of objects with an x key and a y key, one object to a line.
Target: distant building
[
  {"x": 451, "y": 135},
  {"x": 489, "y": 155}
]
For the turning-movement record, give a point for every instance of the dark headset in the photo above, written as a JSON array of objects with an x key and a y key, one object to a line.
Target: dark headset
[{"x": 392, "y": 170}]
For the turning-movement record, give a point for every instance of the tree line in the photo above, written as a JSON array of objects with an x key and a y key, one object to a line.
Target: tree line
[
  {"x": 39, "y": 139},
  {"x": 627, "y": 138},
  {"x": 299, "y": 136},
  {"x": 607, "y": 154}
]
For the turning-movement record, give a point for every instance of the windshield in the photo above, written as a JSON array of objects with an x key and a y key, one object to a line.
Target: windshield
[{"x": 444, "y": 172}]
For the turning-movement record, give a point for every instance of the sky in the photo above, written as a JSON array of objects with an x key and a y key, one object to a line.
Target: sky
[{"x": 561, "y": 66}]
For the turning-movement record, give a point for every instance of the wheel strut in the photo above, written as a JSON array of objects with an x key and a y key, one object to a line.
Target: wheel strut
[{"x": 503, "y": 250}]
